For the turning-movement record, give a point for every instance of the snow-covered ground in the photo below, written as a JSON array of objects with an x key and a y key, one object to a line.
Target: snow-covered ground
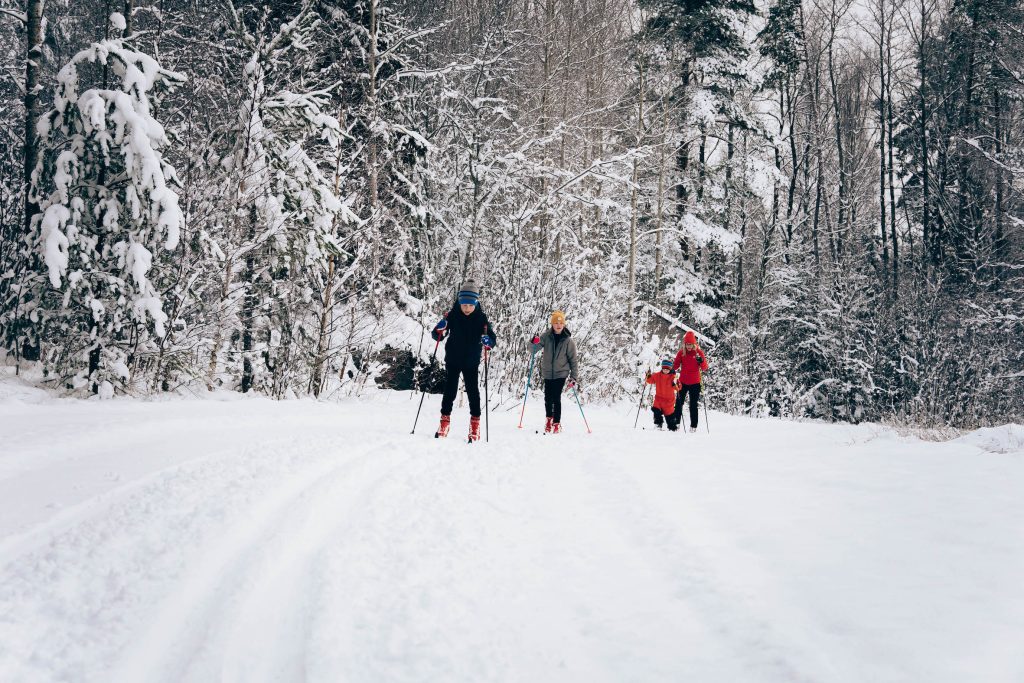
[{"x": 250, "y": 540}]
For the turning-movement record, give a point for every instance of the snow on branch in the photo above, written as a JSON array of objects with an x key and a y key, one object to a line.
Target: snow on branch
[{"x": 673, "y": 322}]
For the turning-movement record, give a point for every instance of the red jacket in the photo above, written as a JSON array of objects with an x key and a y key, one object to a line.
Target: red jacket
[
  {"x": 664, "y": 391},
  {"x": 688, "y": 366}
]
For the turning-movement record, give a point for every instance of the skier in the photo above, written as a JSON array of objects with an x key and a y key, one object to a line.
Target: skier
[
  {"x": 664, "y": 396},
  {"x": 558, "y": 364},
  {"x": 689, "y": 362},
  {"x": 468, "y": 332}
]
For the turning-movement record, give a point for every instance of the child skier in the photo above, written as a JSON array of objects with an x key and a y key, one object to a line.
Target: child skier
[
  {"x": 690, "y": 362},
  {"x": 558, "y": 364},
  {"x": 468, "y": 332},
  {"x": 664, "y": 396}
]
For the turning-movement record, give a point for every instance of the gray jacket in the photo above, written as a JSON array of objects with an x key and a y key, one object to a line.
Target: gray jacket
[{"x": 559, "y": 355}]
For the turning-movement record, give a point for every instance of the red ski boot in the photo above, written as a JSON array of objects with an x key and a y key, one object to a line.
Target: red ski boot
[
  {"x": 556, "y": 427},
  {"x": 442, "y": 431},
  {"x": 474, "y": 429},
  {"x": 547, "y": 425}
]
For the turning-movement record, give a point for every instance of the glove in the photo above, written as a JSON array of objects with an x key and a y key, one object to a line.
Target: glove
[
  {"x": 648, "y": 375},
  {"x": 700, "y": 359},
  {"x": 439, "y": 328},
  {"x": 535, "y": 340},
  {"x": 573, "y": 384},
  {"x": 487, "y": 341}
]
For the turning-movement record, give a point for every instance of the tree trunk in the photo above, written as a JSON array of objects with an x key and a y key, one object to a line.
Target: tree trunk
[
  {"x": 730, "y": 152},
  {"x": 841, "y": 219},
  {"x": 34, "y": 53},
  {"x": 634, "y": 191},
  {"x": 929, "y": 247},
  {"x": 371, "y": 148},
  {"x": 683, "y": 155},
  {"x": 892, "y": 184},
  {"x": 249, "y": 304},
  {"x": 881, "y": 141}
]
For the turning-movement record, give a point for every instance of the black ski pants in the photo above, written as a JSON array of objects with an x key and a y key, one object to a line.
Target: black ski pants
[
  {"x": 671, "y": 420},
  {"x": 553, "y": 398},
  {"x": 471, "y": 377},
  {"x": 693, "y": 390}
]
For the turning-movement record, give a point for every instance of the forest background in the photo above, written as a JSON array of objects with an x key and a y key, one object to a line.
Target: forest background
[{"x": 282, "y": 197}]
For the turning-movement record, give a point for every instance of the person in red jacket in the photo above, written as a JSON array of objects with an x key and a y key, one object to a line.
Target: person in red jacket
[
  {"x": 664, "y": 396},
  {"x": 690, "y": 363}
]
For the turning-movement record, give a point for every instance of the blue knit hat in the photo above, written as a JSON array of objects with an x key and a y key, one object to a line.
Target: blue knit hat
[
  {"x": 469, "y": 293},
  {"x": 666, "y": 363}
]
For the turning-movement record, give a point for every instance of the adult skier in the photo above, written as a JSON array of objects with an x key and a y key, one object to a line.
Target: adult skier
[
  {"x": 690, "y": 362},
  {"x": 664, "y": 407},
  {"x": 468, "y": 332},
  {"x": 557, "y": 366}
]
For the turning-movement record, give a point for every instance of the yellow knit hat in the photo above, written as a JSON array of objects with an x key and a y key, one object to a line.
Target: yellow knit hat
[{"x": 557, "y": 317}]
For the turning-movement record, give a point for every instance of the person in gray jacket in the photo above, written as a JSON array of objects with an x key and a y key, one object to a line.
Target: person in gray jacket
[{"x": 557, "y": 366}]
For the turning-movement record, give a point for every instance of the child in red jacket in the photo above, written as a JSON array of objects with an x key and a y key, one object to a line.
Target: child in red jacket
[
  {"x": 690, "y": 362},
  {"x": 664, "y": 396}
]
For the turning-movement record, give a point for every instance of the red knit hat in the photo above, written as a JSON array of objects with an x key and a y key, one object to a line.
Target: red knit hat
[{"x": 690, "y": 338}]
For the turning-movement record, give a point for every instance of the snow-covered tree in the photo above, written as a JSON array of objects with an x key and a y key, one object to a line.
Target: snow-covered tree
[{"x": 107, "y": 207}]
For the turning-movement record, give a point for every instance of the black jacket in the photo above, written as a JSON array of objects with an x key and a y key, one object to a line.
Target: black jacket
[{"x": 464, "y": 347}]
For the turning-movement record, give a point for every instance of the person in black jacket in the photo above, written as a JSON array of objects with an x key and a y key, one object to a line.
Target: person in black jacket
[{"x": 468, "y": 332}]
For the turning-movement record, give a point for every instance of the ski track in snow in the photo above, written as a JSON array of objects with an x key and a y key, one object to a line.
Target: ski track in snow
[
  {"x": 727, "y": 611},
  {"x": 304, "y": 543}
]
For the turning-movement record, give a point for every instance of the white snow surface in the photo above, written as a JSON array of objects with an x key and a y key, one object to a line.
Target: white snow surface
[{"x": 226, "y": 539}]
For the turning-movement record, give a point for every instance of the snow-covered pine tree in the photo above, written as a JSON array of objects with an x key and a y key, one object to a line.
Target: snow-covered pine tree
[
  {"x": 108, "y": 211},
  {"x": 708, "y": 47}
]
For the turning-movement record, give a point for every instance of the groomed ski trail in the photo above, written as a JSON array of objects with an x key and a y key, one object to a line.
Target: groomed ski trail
[{"x": 308, "y": 541}]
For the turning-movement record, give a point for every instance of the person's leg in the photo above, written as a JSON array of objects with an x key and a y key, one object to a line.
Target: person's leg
[
  {"x": 549, "y": 398},
  {"x": 657, "y": 416},
  {"x": 451, "y": 387},
  {"x": 677, "y": 414},
  {"x": 694, "y": 391},
  {"x": 556, "y": 400},
  {"x": 671, "y": 422},
  {"x": 471, "y": 376}
]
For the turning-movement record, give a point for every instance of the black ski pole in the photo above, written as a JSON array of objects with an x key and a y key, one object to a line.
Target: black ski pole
[
  {"x": 487, "y": 400},
  {"x": 529, "y": 375},
  {"x": 643, "y": 392},
  {"x": 423, "y": 393},
  {"x": 704, "y": 400}
]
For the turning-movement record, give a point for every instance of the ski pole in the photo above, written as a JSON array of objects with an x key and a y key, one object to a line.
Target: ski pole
[
  {"x": 704, "y": 400},
  {"x": 581, "y": 409},
  {"x": 487, "y": 400},
  {"x": 423, "y": 394},
  {"x": 643, "y": 392},
  {"x": 529, "y": 374}
]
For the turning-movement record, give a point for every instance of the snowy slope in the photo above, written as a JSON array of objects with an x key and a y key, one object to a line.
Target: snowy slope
[{"x": 248, "y": 540}]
